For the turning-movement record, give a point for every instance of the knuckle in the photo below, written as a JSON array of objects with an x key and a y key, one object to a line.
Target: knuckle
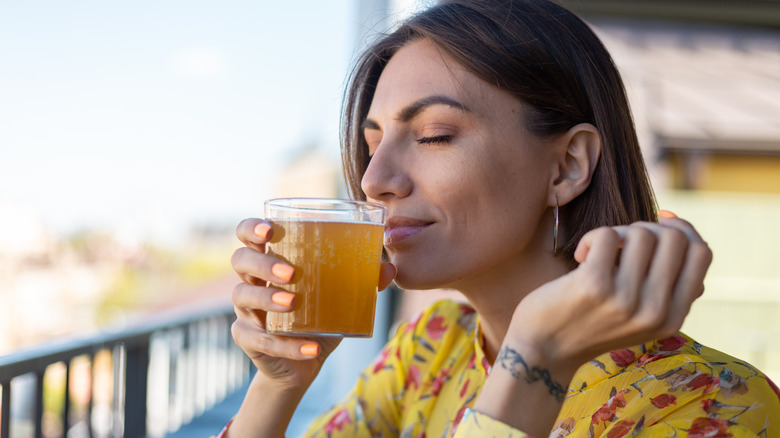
[
  {"x": 235, "y": 331},
  {"x": 600, "y": 233},
  {"x": 237, "y": 256},
  {"x": 265, "y": 343},
  {"x": 606, "y": 233},
  {"x": 641, "y": 235},
  {"x": 238, "y": 332},
  {"x": 674, "y": 235},
  {"x": 243, "y": 225},
  {"x": 701, "y": 253},
  {"x": 238, "y": 294}
]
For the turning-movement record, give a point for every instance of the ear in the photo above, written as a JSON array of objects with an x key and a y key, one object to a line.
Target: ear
[{"x": 577, "y": 153}]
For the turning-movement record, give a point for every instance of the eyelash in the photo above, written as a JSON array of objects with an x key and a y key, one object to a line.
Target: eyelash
[{"x": 434, "y": 140}]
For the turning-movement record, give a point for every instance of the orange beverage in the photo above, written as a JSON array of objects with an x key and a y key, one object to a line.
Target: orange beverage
[{"x": 336, "y": 275}]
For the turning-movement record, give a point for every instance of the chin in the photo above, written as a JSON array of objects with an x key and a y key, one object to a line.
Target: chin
[{"x": 418, "y": 280}]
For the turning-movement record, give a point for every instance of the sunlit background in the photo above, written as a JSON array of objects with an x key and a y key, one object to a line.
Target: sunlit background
[{"x": 134, "y": 136}]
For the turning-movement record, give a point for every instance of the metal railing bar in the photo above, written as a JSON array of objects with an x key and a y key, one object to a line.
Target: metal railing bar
[
  {"x": 5, "y": 419},
  {"x": 38, "y": 413},
  {"x": 38, "y": 358},
  {"x": 90, "y": 402},
  {"x": 66, "y": 402},
  {"x": 203, "y": 347},
  {"x": 136, "y": 370},
  {"x": 118, "y": 355}
]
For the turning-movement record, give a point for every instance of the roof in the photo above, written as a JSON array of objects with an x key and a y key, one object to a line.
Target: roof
[{"x": 700, "y": 87}]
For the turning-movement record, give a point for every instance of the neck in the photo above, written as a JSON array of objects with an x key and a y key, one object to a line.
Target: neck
[{"x": 495, "y": 294}]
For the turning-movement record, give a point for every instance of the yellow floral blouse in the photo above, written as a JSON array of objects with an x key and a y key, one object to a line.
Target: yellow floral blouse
[
  {"x": 430, "y": 373},
  {"x": 427, "y": 377}
]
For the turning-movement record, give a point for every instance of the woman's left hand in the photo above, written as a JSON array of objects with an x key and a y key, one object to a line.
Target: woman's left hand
[{"x": 635, "y": 283}]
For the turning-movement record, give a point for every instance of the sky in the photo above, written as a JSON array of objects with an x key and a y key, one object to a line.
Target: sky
[{"x": 157, "y": 115}]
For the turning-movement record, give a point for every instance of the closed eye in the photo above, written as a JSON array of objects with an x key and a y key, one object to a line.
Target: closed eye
[{"x": 434, "y": 140}]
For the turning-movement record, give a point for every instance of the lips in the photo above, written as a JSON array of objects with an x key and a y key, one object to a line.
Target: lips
[{"x": 398, "y": 229}]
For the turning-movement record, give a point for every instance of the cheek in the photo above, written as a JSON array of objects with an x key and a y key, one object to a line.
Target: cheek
[{"x": 510, "y": 199}]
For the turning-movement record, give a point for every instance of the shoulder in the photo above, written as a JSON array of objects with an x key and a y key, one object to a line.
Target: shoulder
[
  {"x": 671, "y": 385},
  {"x": 715, "y": 385},
  {"x": 440, "y": 318}
]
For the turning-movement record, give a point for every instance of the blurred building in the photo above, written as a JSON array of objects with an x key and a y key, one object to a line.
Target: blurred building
[
  {"x": 44, "y": 290},
  {"x": 310, "y": 172},
  {"x": 706, "y": 100},
  {"x": 703, "y": 80}
]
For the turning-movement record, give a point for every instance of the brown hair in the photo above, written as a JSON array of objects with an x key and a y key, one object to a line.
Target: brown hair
[{"x": 550, "y": 59}]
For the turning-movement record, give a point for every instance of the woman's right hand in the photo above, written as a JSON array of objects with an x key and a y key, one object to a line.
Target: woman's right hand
[{"x": 290, "y": 362}]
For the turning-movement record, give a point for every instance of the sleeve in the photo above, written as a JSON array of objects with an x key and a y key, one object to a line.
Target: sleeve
[
  {"x": 690, "y": 396},
  {"x": 736, "y": 402},
  {"x": 474, "y": 424},
  {"x": 372, "y": 407},
  {"x": 369, "y": 408}
]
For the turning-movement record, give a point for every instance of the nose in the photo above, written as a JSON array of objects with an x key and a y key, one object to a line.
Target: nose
[{"x": 387, "y": 174}]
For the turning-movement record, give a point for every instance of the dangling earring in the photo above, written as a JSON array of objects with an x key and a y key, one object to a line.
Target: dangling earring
[{"x": 555, "y": 228}]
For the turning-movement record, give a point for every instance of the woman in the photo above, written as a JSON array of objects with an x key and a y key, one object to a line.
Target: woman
[{"x": 498, "y": 136}]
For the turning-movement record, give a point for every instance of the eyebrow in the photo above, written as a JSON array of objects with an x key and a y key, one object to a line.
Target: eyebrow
[{"x": 412, "y": 110}]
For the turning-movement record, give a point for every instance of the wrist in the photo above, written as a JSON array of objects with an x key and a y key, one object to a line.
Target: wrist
[
  {"x": 544, "y": 350},
  {"x": 533, "y": 367},
  {"x": 524, "y": 390},
  {"x": 267, "y": 408},
  {"x": 281, "y": 389}
]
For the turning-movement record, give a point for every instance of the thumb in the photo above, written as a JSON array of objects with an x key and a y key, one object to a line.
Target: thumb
[{"x": 387, "y": 273}]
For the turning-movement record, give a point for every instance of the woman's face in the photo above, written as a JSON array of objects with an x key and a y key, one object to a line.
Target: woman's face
[{"x": 465, "y": 185}]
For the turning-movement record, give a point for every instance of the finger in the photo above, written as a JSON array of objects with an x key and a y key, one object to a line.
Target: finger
[
  {"x": 659, "y": 288},
  {"x": 676, "y": 223},
  {"x": 252, "y": 265},
  {"x": 682, "y": 225},
  {"x": 599, "y": 247},
  {"x": 257, "y": 343},
  {"x": 638, "y": 250},
  {"x": 690, "y": 284},
  {"x": 248, "y": 296},
  {"x": 387, "y": 273},
  {"x": 254, "y": 233}
]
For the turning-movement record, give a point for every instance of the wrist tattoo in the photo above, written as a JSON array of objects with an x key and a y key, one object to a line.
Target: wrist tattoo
[{"x": 513, "y": 362}]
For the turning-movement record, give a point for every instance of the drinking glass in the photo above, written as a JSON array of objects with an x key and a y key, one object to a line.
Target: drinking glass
[{"x": 335, "y": 246}]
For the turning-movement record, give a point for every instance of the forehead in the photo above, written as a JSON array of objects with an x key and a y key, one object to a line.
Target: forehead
[{"x": 420, "y": 69}]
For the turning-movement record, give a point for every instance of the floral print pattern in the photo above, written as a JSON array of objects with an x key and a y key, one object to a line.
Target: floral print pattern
[{"x": 426, "y": 379}]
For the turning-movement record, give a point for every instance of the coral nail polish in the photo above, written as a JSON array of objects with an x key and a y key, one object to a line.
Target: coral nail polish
[
  {"x": 666, "y": 213},
  {"x": 310, "y": 349},
  {"x": 283, "y": 272},
  {"x": 283, "y": 298},
  {"x": 261, "y": 230}
]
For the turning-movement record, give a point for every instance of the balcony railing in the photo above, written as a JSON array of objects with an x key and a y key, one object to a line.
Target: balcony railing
[{"x": 147, "y": 380}]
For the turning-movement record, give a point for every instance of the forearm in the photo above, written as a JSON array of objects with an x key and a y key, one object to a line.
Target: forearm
[
  {"x": 523, "y": 392},
  {"x": 266, "y": 410}
]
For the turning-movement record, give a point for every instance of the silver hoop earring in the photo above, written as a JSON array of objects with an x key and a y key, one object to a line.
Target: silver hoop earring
[{"x": 555, "y": 228}]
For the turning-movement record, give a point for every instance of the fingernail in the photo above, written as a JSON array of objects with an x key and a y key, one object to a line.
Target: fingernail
[
  {"x": 396, "y": 270},
  {"x": 282, "y": 272},
  {"x": 261, "y": 230},
  {"x": 310, "y": 349},
  {"x": 283, "y": 298},
  {"x": 666, "y": 213}
]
